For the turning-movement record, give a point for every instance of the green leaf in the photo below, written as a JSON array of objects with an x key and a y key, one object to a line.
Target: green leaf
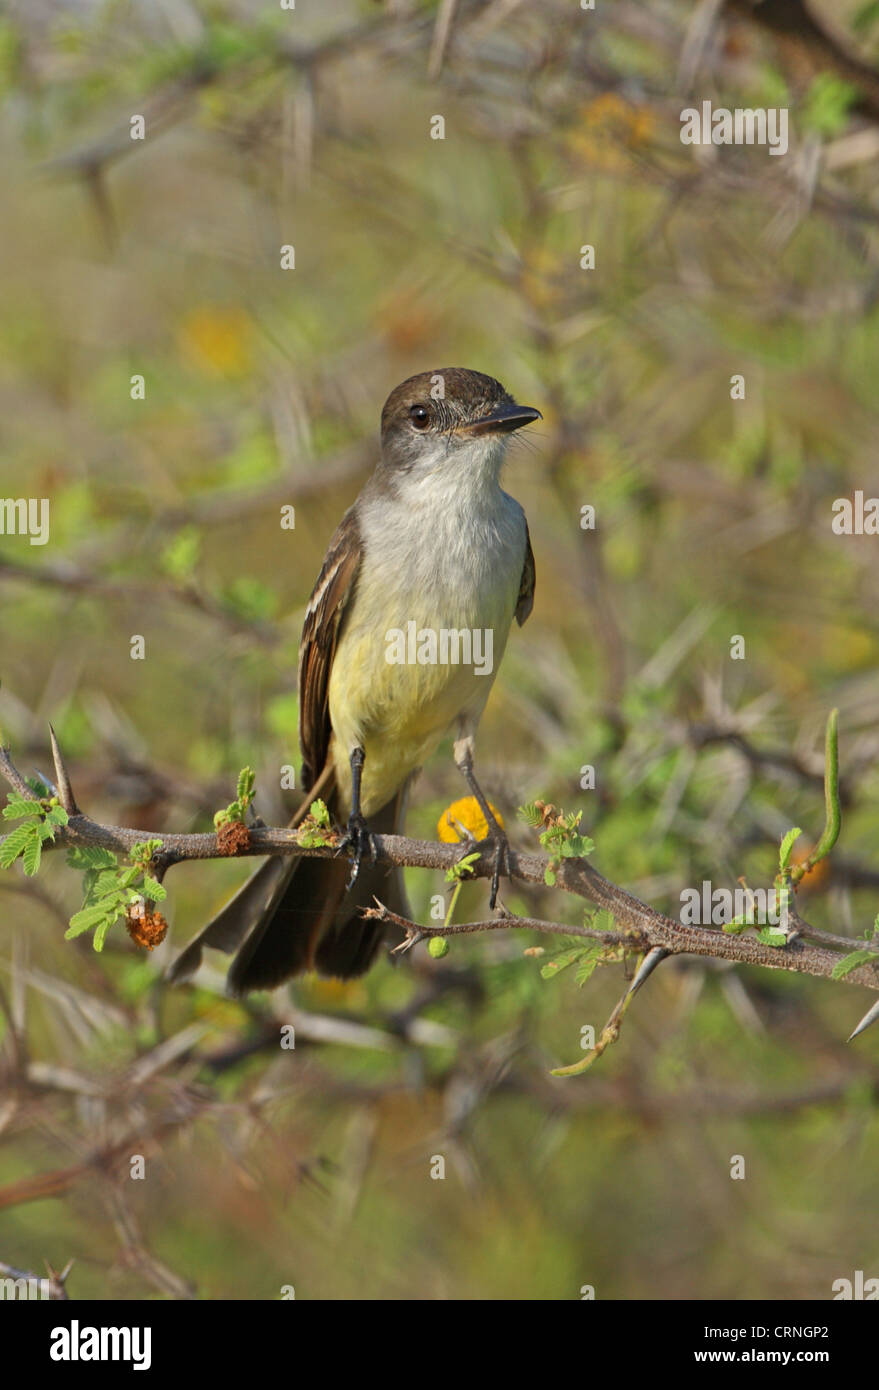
[
  {"x": 561, "y": 962},
  {"x": 32, "y": 853},
  {"x": 786, "y": 849},
  {"x": 107, "y": 881},
  {"x": 586, "y": 969},
  {"x": 144, "y": 851},
  {"x": 14, "y": 844},
  {"x": 86, "y": 918},
  {"x": 101, "y": 933},
  {"x": 153, "y": 889},
  {"x": 180, "y": 556},
  {"x": 90, "y": 857},
  {"x": 827, "y": 104},
  {"x": 311, "y": 837},
  {"x": 461, "y": 869},
  {"x": 771, "y": 938},
  {"x": 602, "y": 920},
  {"x": 737, "y": 926},
  {"x": 852, "y": 961},
  {"x": 18, "y": 807},
  {"x": 27, "y": 840}
]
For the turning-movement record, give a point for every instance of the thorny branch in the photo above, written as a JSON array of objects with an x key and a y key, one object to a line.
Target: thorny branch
[{"x": 641, "y": 927}]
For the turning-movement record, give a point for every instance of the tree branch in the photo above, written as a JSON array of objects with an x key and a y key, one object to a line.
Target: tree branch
[{"x": 641, "y": 924}]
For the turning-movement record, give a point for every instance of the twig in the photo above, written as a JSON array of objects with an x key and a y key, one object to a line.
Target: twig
[
  {"x": 576, "y": 876},
  {"x": 608, "y": 938},
  {"x": 50, "y": 1286}
]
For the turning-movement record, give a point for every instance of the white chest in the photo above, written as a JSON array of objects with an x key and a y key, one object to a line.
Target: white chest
[{"x": 444, "y": 561}]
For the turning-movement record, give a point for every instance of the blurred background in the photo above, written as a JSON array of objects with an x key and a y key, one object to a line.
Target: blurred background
[{"x": 161, "y": 258}]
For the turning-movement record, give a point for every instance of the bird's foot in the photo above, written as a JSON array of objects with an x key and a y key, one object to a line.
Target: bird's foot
[
  {"x": 495, "y": 849},
  {"x": 358, "y": 836}
]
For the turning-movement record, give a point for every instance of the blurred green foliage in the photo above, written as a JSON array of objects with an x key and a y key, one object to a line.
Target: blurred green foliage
[{"x": 262, "y": 389}]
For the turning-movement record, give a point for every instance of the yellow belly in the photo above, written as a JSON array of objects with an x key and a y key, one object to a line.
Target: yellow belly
[{"x": 398, "y": 712}]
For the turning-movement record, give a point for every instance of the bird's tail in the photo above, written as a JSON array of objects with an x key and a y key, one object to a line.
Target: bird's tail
[{"x": 296, "y": 915}]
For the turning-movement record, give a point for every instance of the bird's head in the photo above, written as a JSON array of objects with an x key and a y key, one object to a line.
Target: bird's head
[{"x": 449, "y": 421}]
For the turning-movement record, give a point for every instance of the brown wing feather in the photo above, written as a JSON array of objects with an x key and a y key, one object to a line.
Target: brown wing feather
[
  {"x": 320, "y": 632},
  {"x": 525, "y": 601}
]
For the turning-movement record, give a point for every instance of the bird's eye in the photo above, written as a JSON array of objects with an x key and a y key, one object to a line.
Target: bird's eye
[{"x": 420, "y": 416}]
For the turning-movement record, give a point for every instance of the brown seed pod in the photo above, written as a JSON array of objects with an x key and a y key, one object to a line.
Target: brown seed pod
[
  {"x": 145, "y": 927},
  {"x": 233, "y": 837}
]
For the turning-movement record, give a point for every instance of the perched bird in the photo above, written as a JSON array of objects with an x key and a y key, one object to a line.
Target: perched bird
[{"x": 431, "y": 564}]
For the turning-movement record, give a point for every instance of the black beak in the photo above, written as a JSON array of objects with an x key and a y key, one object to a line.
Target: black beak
[{"x": 504, "y": 420}]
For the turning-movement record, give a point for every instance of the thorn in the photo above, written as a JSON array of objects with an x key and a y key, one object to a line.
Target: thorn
[
  {"x": 409, "y": 940},
  {"x": 59, "y": 1278},
  {"x": 869, "y": 1017},
  {"x": 647, "y": 967},
  {"x": 65, "y": 791}
]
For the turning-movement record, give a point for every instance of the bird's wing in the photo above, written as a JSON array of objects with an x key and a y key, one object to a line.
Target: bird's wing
[
  {"x": 320, "y": 633},
  {"x": 525, "y": 601}
]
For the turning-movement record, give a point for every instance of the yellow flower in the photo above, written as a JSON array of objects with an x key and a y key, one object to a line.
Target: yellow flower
[
  {"x": 609, "y": 127},
  {"x": 465, "y": 815},
  {"x": 332, "y": 991},
  {"x": 217, "y": 340}
]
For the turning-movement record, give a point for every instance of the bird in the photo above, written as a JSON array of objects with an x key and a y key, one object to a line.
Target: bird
[{"x": 432, "y": 547}]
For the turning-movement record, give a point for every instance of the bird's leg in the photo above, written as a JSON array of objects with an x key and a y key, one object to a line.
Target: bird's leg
[
  {"x": 357, "y": 833},
  {"x": 497, "y": 845}
]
